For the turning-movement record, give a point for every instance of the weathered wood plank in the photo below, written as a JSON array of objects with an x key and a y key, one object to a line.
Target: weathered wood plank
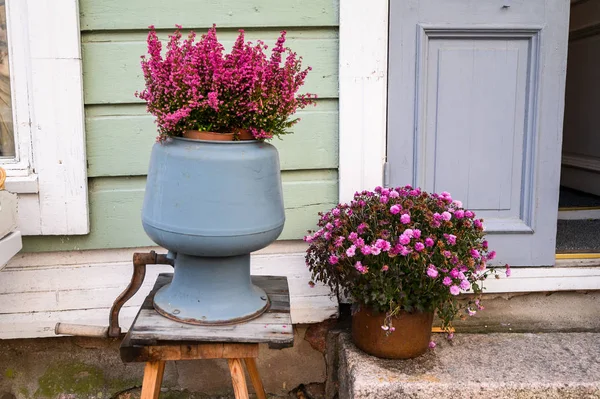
[
  {"x": 116, "y": 203},
  {"x": 112, "y": 72},
  {"x": 114, "y": 131},
  {"x": 138, "y": 14}
]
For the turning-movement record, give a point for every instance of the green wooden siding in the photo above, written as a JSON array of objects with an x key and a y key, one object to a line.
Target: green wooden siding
[{"x": 120, "y": 133}]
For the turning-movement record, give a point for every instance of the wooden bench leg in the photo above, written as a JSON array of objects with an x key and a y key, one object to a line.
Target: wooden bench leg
[
  {"x": 255, "y": 378},
  {"x": 153, "y": 375},
  {"x": 238, "y": 379}
]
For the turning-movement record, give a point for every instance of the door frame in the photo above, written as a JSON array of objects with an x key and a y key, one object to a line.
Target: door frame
[{"x": 363, "y": 85}]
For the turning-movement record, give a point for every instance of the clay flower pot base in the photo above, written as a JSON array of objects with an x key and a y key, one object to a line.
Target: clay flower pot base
[
  {"x": 239, "y": 134},
  {"x": 410, "y": 338}
]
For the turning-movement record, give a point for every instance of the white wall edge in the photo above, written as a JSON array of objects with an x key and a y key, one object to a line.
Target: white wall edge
[{"x": 363, "y": 73}]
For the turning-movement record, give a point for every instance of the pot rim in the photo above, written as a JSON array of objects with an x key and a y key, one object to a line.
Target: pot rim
[{"x": 216, "y": 141}]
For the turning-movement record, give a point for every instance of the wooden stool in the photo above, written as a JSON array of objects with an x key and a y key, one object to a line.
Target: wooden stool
[{"x": 154, "y": 339}]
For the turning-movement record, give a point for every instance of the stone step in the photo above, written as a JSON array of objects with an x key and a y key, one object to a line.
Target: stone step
[{"x": 491, "y": 366}]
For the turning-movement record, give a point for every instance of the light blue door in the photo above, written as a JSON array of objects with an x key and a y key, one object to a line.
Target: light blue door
[{"x": 475, "y": 107}]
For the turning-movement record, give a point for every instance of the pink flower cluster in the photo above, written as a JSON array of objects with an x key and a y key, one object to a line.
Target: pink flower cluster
[
  {"x": 195, "y": 86},
  {"x": 402, "y": 249}
]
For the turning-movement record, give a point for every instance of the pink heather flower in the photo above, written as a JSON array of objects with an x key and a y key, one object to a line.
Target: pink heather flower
[
  {"x": 392, "y": 328},
  {"x": 385, "y": 191},
  {"x": 447, "y": 254},
  {"x": 484, "y": 244},
  {"x": 447, "y": 281},
  {"x": 432, "y": 345},
  {"x": 451, "y": 238},
  {"x": 435, "y": 223},
  {"x": 475, "y": 253},
  {"x": 378, "y": 189},
  {"x": 362, "y": 203},
  {"x": 459, "y": 214},
  {"x": 403, "y": 239},
  {"x": 429, "y": 242},
  {"x": 446, "y": 215},
  {"x": 352, "y": 237},
  {"x": 416, "y": 233},
  {"x": 385, "y": 268},
  {"x": 454, "y": 290},
  {"x": 461, "y": 275},
  {"x": 339, "y": 241},
  {"x": 450, "y": 336},
  {"x": 350, "y": 252},
  {"x": 327, "y": 235},
  {"x": 437, "y": 217},
  {"x": 333, "y": 259},
  {"x": 337, "y": 223},
  {"x": 361, "y": 228},
  {"x": 385, "y": 328},
  {"x": 394, "y": 194},
  {"x": 384, "y": 199},
  {"x": 471, "y": 312},
  {"x": 329, "y": 226},
  {"x": 419, "y": 247},
  {"x": 432, "y": 271},
  {"x": 478, "y": 224},
  {"x": 375, "y": 250},
  {"x": 457, "y": 203},
  {"x": 366, "y": 250},
  {"x": 479, "y": 305},
  {"x": 414, "y": 193},
  {"x": 359, "y": 242},
  {"x": 405, "y": 218},
  {"x": 362, "y": 269},
  {"x": 508, "y": 272},
  {"x": 395, "y": 209},
  {"x": 469, "y": 214},
  {"x": 454, "y": 273},
  {"x": 491, "y": 255},
  {"x": 335, "y": 212},
  {"x": 446, "y": 195},
  {"x": 308, "y": 239},
  {"x": 408, "y": 232},
  {"x": 465, "y": 285}
]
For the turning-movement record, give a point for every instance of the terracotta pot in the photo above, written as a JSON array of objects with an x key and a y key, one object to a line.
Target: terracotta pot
[
  {"x": 210, "y": 136},
  {"x": 410, "y": 339},
  {"x": 244, "y": 134}
]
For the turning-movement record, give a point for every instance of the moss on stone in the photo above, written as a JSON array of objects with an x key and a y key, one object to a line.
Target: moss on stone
[
  {"x": 74, "y": 378},
  {"x": 9, "y": 373}
]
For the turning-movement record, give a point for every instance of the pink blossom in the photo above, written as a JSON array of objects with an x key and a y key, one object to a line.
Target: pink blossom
[
  {"x": 447, "y": 281},
  {"x": 394, "y": 194},
  {"x": 409, "y": 233},
  {"x": 362, "y": 269},
  {"x": 432, "y": 271},
  {"x": 327, "y": 235},
  {"x": 361, "y": 228},
  {"x": 385, "y": 268},
  {"x": 471, "y": 312},
  {"x": 339, "y": 241},
  {"x": 403, "y": 239},
  {"x": 457, "y": 203},
  {"x": 437, "y": 217},
  {"x": 469, "y": 214},
  {"x": 465, "y": 285},
  {"x": 450, "y": 336},
  {"x": 474, "y": 253},
  {"x": 308, "y": 239},
  {"x": 350, "y": 252},
  {"x": 484, "y": 244},
  {"x": 416, "y": 233},
  {"x": 447, "y": 254},
  {"x": 446, "y": 215},
  {"x": 508, "y": 272},
  {"x": 333, "y": 259},
  {"x": 451, "y": 238},
  {"x": 459, "y": 214},
  {"x": 478, "y": 224},
  {"x": 429, "y": 242},
  {"x": 446, "y": 195},
  {"x": 491, "y": 255},
  {"x": 432, "y": 345},
  {"x": 479, "y": 305},
  {"x": 366, "y": 250},
  {"x": 454, "y": 290},
  {"x": 405, "y": 251},
  {"x": 384, "y": 199},
  {"x": 360, "y": 242},
  {"x": 395, "y": 209},
  {"x": 454, "y": 273},
  {"x": 383, "y": 245},
  {"x": 375, "y": 250},
  {"x": 378, "y": 189},
  {"x": 352, "y": 237},
  {"x": 329, "y": 226},
  {"x": 419, "y": 247},
  {"x": 405, "y": 218},
  {"x": 336, "y": 212}
]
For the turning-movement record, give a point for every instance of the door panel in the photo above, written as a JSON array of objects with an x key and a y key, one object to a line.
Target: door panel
[{"x": 475, "y": 108}]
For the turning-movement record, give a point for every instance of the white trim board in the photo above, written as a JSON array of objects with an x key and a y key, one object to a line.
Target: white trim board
[
  {"x": 363, "y": 71},
  {"x": 583, "y": 214},
  {"x": 53, "y": 187}
]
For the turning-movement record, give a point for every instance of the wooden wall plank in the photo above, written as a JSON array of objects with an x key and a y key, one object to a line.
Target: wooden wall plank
[
  {"x": 119, "y": 139},
  {"x": 138, "y": 14},
  {"x": 112, "y": 72},
  {"x": 116, "y": 203}
]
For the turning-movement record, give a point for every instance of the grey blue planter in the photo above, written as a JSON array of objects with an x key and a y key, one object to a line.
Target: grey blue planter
[{"x": 211, "y": 203}]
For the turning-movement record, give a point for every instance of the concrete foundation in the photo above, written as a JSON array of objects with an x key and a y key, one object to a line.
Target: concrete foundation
[{"x": 77, "y": 368}]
